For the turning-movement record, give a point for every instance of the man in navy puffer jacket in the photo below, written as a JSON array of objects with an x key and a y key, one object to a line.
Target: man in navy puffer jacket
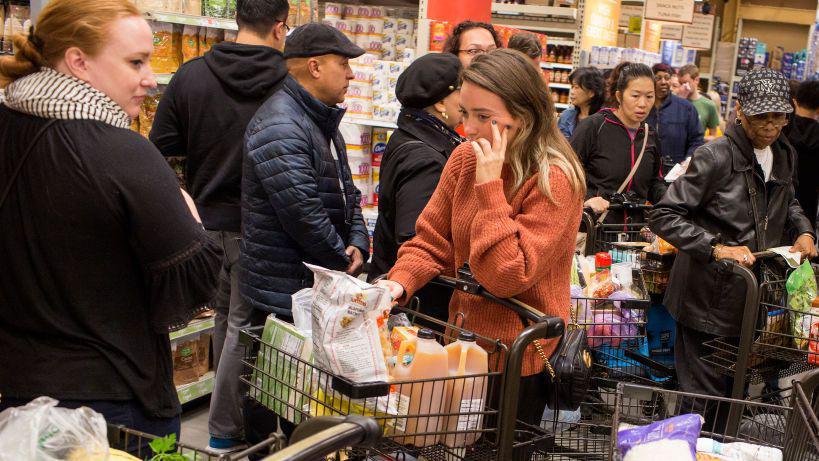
[{"x": 299, "y": 203}]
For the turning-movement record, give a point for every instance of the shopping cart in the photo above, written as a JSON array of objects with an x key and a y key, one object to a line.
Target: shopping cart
[
  {"x": 138, "y": 444},
  {"x": 413, "y": 415},
  {"x": 791, "y": 425},
  {"x": 316, "y": 438}
]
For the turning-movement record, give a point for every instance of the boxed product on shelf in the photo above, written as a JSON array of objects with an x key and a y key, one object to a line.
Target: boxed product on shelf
[
  {"x": 203, "y": 354},
  {"x": 370, "y": 215},
  {"x": 184, "y": 362},
  {"x": 438, "y": 33},
  {"x": 610, "y": 56},
  {"x": 371, "y": 27},
  {"x": 380, "y": 136},
  {"x": 675, "y": 55}
]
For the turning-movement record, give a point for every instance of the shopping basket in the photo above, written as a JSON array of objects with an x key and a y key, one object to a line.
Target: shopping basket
[
  {"x": 413, "y": 415},
  {"x": 791, "y": 426},
  {"x": 138, "y": 444}
]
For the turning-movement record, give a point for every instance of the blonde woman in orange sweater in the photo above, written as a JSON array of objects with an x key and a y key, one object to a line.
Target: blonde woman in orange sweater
[{"x": 508, "y": 203}]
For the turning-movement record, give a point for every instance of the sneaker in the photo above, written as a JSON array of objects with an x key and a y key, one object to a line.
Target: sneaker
[{"x": 220, "y": 446}]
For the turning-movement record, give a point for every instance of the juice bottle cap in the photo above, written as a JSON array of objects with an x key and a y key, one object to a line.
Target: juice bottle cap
[
  {"x": 466, "y": 336},
  {"x": 602, "y": 259},
  {"x": 425, "y": 333}
]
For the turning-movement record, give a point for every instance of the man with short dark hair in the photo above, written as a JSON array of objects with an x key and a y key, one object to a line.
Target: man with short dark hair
[
  {"x": 527, "y": 44},
  {"x": 674, "y": 119},
  {"x": 706, "y": 109},
  {"x": 203, "y": 116},
  {"x": 803, "y": 134}
]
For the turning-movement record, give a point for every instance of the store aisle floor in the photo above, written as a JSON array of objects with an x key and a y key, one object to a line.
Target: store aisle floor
[{"x": 195, "y": 425}]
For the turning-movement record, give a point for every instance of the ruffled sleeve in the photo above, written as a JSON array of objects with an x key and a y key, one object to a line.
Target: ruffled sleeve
[{"x": 180, "y": 285}]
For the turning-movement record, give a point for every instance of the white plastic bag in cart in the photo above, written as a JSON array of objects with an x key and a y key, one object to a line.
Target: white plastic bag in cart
[
  {"x": 350, "y": 335},
  {"x": 303, "y": 310},
  {"x": 41, "y": 431}
]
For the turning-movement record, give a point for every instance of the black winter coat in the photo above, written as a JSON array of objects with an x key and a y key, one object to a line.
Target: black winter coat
[
  {"x": 608, "y": 153},
  {"x": 710, "y": 204},
  {"x": 293, "y": 206},
  {"x": 410, "y": 170}
]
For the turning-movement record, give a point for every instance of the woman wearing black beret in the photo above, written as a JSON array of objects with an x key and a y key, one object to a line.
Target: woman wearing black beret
[{"x": 429, "y": 92}]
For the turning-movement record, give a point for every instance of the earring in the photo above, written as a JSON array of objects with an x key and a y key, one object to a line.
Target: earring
[
  {"x": 444, "y": 115},
  {"x": 737, "y": 121}
]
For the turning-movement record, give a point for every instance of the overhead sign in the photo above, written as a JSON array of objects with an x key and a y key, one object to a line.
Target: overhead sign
[
  {"x": 651, "y": 36},
  {"x": 600, "y": 23},
  {"x": 672, "y": 32},
  {"x": 700, "y": 33},
  {"x": 680, "y": 11},
  {"x": 629, "y": 11}
]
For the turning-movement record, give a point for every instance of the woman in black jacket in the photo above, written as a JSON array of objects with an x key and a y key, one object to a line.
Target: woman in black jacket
[
  {"x": 429, "y": 91},
  {"x": 609, "y": 145},
  {"x": 710, "y": 213},
  {"x": 104, "y": 256}
]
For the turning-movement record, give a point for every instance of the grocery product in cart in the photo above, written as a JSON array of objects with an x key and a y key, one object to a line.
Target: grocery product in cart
[
  {"x": 471, "y": 361},
  {"x": 801, "y": 286},
  {"x": 672, "y": 439}
]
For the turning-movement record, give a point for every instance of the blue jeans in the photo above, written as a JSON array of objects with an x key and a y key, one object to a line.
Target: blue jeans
[{"x": 128, "y": 413}]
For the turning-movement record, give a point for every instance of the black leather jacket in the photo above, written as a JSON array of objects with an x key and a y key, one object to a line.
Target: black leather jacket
[{"x": 711, "y": 204}]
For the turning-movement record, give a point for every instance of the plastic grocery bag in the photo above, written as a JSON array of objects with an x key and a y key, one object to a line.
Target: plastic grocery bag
[
  {"x": 303, "y": 310},
  {"x": 672, "y": 439},
  {"x": 350, "y": 331},
  {"x": 801, "y": 286},
  {"x": 41, "y": 431}
]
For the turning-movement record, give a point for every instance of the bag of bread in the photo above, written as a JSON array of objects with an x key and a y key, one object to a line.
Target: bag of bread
[
  {"x": 190, "y": 43},
  {"x": 165, "y": 59}
]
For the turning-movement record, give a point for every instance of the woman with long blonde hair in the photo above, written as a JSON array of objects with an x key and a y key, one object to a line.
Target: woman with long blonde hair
[
  {"x": 102, "y": 254},
  {"x": 509, "y": 204}
]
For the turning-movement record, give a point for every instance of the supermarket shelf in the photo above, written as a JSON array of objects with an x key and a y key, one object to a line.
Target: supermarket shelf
[
  {"x": 561, "y": 105},
  {"x": 196, "y": 326},
  {"x": 555, "y": 65},
  {"x": 163, "y": 79},
  {"x": 533, "y": 10},
  {"x": 368, "y": 122},
  {"x": 561, "y": 43},
  {"x": 563, "y": 86},
  {"x": 204, "y": 21},
  {"x": 193, "y": 391}
]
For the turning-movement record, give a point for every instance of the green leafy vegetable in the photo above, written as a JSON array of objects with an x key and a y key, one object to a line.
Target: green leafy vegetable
[{"x": 164, "y": 449}]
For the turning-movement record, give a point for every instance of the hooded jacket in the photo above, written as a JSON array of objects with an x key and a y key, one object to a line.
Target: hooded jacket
[
  {"x": 299, "y": 203},
  {"x": 710, "y": 204},
  {"x": 803, "y": 134},
  {"x": 608, "y": 152},
  {"x": 203, "y": 115}
]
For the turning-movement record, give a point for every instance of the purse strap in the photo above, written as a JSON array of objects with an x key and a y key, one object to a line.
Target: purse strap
[
  {"x": 632, "y": 172},
  {"x": 540, "y": 352},
  {"x": 23, "y": 159}
]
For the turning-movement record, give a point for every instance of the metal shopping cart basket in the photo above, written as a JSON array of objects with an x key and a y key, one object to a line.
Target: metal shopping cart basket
[
  {"x": 138, "y": 444},
  {"x": 791, "y": 425},
  {"x": 414, "y": 415}
]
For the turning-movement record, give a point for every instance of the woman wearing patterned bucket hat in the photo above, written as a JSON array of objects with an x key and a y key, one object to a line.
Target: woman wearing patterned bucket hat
[{"x": 736, "y": 198}]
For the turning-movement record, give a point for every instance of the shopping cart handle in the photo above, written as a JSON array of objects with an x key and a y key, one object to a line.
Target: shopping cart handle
[{"x": 319, "y": 437}]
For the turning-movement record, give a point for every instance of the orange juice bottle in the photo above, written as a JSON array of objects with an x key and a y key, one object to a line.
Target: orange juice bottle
[
  {"x": 467, "y": 395},
  {"x": 430, "y": 362}
]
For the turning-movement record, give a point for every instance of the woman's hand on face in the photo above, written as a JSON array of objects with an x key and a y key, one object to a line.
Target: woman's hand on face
[
  {"x": 804, "y": 244},
  {"x": 597, "y": 204},
  {"x": 396, "y": 290},
  {"x": 741, "y": 255},
  {"x": 490, "y": 157}
]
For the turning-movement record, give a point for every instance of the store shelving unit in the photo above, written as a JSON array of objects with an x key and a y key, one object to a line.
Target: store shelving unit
[
  {"x": 200, "y": 388},
  {"x": 189, "y": 20},
  {"x": 560, "y": 105},
  {"x": 563, "y": 86},
  {"x": 369, "y": 122},
  {"x": 195, "y": 327}
]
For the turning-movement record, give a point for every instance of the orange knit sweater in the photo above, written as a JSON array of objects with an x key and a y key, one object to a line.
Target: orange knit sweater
[{"x": 519, "y": 246}]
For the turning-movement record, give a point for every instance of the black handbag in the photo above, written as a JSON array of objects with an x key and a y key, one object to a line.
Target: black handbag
[{"x": 568, "y": 370}]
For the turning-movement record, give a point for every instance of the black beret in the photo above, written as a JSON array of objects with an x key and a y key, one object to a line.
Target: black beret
[
  {"x": 316, "y": 39},
  {"x": 429, "y": 79}
]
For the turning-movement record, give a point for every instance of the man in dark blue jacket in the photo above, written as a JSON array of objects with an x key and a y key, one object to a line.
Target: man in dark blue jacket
[
  {"x": 299, "y": 203},
  {"x": 674, "y": 119}
]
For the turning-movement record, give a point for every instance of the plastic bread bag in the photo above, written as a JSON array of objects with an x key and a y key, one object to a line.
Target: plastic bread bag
[
  {"x": 302, "y": 309},
  {"x": 801, "y": 286},
  {"x": 350, "y": 331},
  {"x": 672, "y": 439},
  {"x": 42, "y": 431}
]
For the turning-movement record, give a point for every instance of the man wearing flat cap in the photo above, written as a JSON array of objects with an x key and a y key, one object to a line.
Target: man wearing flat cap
[
  {"x": 429, "y": 92},
  {"x": 299, "y": 203}
]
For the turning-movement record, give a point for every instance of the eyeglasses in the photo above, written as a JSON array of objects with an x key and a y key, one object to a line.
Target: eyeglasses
[
  {"x": 286, "y": 27},
  {"x": 477, "y": 51},
  {"x": 759, "y": 121},
  {"x": 657, "y": 78}
]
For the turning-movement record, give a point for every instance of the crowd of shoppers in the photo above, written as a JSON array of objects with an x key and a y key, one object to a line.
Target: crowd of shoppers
[{"x": 109, "y": 255}]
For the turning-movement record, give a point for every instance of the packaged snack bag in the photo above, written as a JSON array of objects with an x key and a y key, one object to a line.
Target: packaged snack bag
[{"x": 190, "y": 43}]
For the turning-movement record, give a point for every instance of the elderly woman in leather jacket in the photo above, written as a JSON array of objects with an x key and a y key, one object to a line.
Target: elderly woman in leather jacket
[{"x": 736, "y": 198}]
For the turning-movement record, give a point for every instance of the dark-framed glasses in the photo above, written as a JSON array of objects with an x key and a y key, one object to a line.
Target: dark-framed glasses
[
  {"x": 477, "y": 51},
  {"x": 777, "y": 119}
]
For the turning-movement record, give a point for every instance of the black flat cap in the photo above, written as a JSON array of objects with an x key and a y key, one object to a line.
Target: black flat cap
[
  {"x": 315, "y": 39},
  {"x": 429, "y": 79}
]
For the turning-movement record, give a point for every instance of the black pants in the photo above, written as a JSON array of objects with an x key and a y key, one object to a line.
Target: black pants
[{"x": 698, "y": 377}]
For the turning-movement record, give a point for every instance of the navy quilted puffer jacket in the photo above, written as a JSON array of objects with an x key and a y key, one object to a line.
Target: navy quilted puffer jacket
[{"x": 293, "y": 208}]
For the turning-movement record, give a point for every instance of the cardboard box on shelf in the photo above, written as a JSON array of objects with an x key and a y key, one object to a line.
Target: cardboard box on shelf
[{"x": 185, "y": 362}]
